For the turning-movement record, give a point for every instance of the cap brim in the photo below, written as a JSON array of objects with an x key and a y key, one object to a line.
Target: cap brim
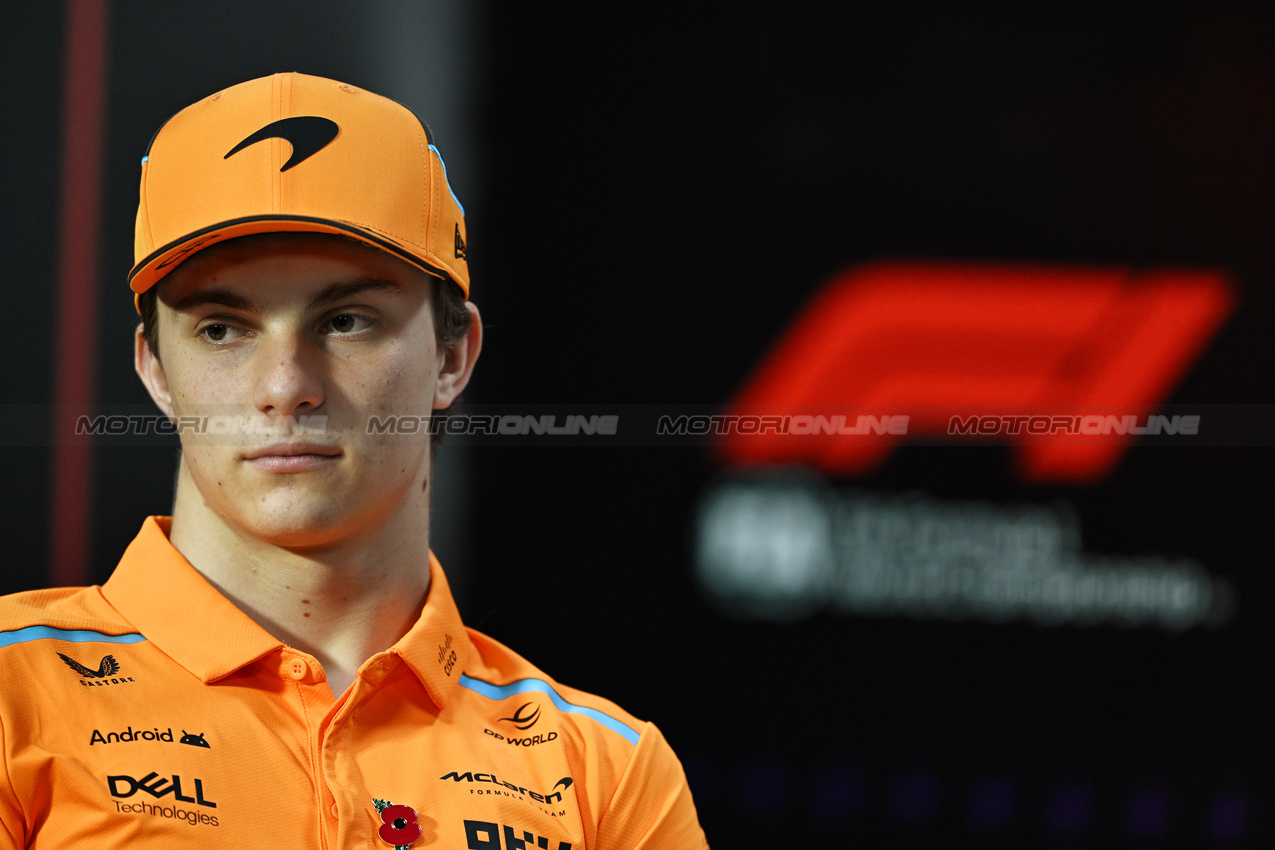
[{"x": 152, "y": 270}]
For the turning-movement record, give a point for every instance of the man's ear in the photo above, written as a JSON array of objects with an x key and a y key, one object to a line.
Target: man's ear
[
  {"x": 151, "y": 371},
  {"x": 458, "y": 362}
]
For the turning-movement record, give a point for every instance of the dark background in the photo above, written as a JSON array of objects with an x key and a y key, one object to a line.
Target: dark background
[{"x": 655, "y": 192}]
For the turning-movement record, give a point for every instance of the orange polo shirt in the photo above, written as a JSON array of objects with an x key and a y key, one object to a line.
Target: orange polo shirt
[{"x": 151, "y": 712}]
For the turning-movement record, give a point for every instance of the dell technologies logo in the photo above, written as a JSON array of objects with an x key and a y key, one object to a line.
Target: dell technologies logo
[{"x": 124, "y": 786}]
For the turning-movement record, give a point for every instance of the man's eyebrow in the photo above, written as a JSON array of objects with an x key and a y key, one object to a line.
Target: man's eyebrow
[
  {"x": 345, "y": 289},
  {"x": 224, "y": 297},
  {"x": 332, "y": 292}
]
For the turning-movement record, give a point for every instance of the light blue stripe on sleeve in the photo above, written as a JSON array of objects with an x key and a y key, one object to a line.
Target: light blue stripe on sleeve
[
  {"x": 73, "y": 635},
  {"x": 523, "y": 686}
]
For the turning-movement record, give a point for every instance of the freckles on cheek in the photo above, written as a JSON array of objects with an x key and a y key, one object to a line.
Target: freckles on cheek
[
  {"x": 398, "y": 382},
  {"x": 195, "y": 380}
]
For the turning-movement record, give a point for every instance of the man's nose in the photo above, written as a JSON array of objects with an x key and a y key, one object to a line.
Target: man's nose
[{"x": 289, "y": 381}]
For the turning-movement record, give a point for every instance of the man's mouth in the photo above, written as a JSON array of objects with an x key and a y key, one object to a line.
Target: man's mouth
[{"x": 292, "y": 457}]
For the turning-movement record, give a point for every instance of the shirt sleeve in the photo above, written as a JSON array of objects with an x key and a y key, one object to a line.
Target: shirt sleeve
[
  {"x": 12, "y": 829},
  {"x": 652, "y": 807}
]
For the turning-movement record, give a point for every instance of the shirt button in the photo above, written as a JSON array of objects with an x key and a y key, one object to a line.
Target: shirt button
[
  {"x": 334, "y": 811},
  {"x": 297, "y": 669}
]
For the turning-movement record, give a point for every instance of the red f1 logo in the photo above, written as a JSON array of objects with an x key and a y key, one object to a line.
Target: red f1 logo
[{"x": 933, "y": 341}]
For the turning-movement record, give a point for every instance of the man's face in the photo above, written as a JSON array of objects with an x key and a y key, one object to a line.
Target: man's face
[{"x": 291, "y": 329}]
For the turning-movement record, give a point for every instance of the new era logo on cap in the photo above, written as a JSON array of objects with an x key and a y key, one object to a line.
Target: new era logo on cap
[{"x": 308, "y": 134}]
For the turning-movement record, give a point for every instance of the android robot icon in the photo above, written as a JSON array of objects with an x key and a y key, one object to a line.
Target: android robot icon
[{"x": 194, "y": 740}]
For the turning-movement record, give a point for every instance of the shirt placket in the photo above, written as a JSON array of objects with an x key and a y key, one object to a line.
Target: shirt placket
[
  {"x": 317, "y": 707},
  {"x": 346, "y": 805}
]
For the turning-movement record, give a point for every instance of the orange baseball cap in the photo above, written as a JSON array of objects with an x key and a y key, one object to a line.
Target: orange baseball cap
[{"x": 292, "y": 152}]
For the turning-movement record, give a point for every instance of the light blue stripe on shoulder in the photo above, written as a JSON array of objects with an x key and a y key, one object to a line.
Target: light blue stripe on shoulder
[
  {"x": 73, "y": 635},
  {"x": 439, "y": 154},
  {"x": 523, "y": 686}
]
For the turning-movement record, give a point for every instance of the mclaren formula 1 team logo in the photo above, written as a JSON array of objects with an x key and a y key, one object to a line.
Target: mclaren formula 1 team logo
[
  {"x": 105, "y": 674},
  {"x": 489, "y": 783}
]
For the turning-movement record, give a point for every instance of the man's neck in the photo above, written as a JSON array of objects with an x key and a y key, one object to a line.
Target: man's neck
[{"x": 341, "y": 602}]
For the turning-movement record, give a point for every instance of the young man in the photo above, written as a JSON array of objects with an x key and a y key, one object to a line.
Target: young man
[{"x": 280, "y": 664}]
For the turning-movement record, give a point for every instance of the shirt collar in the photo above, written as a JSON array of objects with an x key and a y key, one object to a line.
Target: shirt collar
[
  {"x": 437, "y": 647},
  {"x": 177, "y": 610},
  {"x": 158, "y": 591}
]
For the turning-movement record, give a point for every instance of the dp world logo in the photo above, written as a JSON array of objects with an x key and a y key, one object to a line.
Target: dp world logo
[{"x": 525, "y": 717}]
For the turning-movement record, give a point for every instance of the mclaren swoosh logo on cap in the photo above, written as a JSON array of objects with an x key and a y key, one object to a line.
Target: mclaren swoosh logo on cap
[{"x": 308, "y": 134}]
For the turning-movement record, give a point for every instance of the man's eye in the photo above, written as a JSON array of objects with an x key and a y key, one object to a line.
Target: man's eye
[
  {"x": 348, "y": 323},
  {"x": 217, "y": 332}
]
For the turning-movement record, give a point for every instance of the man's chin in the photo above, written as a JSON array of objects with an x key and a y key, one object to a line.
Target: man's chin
[{"x": 296, "y": 526}]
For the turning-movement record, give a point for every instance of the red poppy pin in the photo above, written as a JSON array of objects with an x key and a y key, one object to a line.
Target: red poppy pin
[{"x": 398, "y": 824}]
